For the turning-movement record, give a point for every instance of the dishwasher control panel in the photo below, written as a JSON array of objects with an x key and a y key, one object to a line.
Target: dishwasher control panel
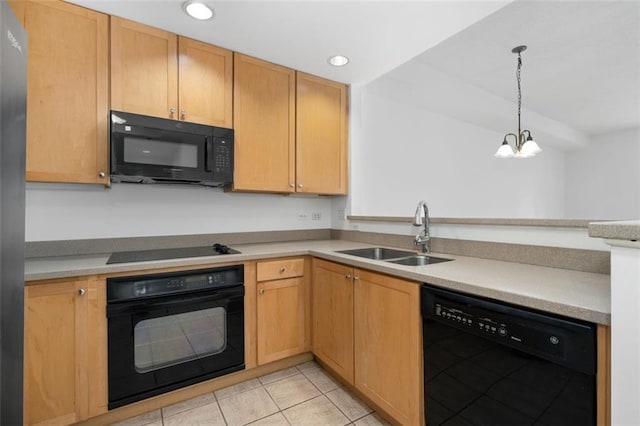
[{"x": 483, "y": 324}]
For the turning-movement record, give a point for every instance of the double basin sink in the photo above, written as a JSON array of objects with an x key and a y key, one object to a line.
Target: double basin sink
[{"x": 400, "y": 257}]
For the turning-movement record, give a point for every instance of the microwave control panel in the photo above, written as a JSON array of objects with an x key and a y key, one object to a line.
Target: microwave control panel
[{"x": 223, "y": 159}]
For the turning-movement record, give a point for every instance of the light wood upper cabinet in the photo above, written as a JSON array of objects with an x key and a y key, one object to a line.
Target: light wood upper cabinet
[
  {"x": 291, "y": 130},
  {"x": 65, "y": 351},
  {"x": 264, "y": 124},
  {"x": 157, "y": 73},
  {"x": 321, "y": 135},
  {"x": 332, "y": 312},
  {"x": 67, "y": 92},
  {"x": 282, "y": 306},
  {"x": 388, "y": 369},
  {"x": 144, "y": 69},
  {"x": 205, "y": 83}
]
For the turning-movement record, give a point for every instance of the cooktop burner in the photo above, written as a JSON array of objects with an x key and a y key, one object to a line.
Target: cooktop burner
[{"x": 171, "y": 253}]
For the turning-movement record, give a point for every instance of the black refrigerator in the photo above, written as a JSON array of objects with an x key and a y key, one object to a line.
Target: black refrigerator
[{"x": 13, "y": 114}]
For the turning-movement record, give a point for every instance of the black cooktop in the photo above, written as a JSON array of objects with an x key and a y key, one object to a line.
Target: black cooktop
[{"x": 170, "y": 253}]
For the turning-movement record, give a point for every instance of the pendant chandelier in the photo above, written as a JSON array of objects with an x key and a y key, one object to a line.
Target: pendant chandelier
[{"x": 525, "y": 146}]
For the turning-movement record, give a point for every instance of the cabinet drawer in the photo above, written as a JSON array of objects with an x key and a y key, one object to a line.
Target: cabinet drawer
[{"x": 278, "y": 269}]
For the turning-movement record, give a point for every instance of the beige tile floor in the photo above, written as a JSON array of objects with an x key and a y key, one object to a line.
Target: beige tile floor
[{"x": 299, "y": 396}]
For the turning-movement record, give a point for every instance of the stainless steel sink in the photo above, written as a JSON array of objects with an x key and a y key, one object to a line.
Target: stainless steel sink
[
  {"x": 378, "y": 253},
  {"x": 418, "y": 260}
]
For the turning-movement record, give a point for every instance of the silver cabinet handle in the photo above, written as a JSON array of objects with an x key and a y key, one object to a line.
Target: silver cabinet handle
[
  {"x": 356, "y": 277},
  {"x": 172, "y": 110},
  {"x": 348, "y": 276},
  {"x": 183, "y": 114},
  {"x": 299, "y": 185},
  {"x": 101, "y": 175},
  {"x": 261, "y": 291},
  {"x": 281, "y": 270},
  {"x": 292, "y": 185},
  {"x": 81, "y": 292}
]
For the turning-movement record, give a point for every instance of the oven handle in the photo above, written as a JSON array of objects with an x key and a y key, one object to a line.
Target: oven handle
[{"x": 115, "y": 309}]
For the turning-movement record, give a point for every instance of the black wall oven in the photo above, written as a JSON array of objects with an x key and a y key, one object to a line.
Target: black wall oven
[{"x": 167, "y": 331}]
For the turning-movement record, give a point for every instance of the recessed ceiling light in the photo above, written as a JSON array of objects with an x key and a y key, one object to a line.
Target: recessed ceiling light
[
  {"x": 198, "y": 10},
  {"x": 338, "y": 60}
]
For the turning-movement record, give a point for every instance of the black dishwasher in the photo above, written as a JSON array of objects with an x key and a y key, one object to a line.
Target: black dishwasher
[{"x": 492, "y": 363}]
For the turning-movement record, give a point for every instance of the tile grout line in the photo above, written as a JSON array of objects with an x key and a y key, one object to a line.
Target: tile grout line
[
  {"x": 325, "y": 393},
  {"x": 315, "y": 368}
]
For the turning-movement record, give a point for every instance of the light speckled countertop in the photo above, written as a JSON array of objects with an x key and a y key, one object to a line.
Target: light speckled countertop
[
  {"x": 580, "y": 295},
  {"x": 619, "y": 230}
]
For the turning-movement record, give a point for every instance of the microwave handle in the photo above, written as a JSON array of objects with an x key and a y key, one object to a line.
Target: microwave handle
[{"x": 208, "y": 154}]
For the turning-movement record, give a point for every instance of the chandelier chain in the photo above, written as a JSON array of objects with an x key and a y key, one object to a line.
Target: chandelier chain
[{"x": 519, "y": 91}]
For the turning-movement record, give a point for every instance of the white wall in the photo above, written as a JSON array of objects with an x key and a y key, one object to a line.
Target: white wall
[
  {"x": 401, "y": 153},
  {"x": 603, "y": 179},
  {"x": 67, "y": 212},
  {"x": 625, "y": 333}
]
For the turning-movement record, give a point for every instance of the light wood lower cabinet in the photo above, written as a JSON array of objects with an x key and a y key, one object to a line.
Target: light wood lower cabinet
[
  {"x": 366, "y": 328},
  {"x": 282, "y": 302},
  {"x": 332, "y": 312},
  {"x": 387, "y": 331},
  {"x": 65, "y": 351}
]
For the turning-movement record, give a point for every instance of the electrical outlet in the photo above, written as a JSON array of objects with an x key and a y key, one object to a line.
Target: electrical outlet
[
  {"x": 316, "y": 216},
  {"x": 302, "y": 216}
]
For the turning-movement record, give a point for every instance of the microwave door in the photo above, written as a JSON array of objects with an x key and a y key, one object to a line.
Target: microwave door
[
  {"x": 160, "y": 153},
  {"x": 161, "y": 156}
]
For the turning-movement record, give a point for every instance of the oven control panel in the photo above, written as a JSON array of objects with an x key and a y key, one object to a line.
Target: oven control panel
[
  {"x": 481, "y": 323},
  {"x": 139, "y": 287}
]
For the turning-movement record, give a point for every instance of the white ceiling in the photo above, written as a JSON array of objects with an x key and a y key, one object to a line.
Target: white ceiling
[
  {"x": 376, "y": 35},
  {"x": 581, "y": 72},
  {"x": 580, "y": 75}
]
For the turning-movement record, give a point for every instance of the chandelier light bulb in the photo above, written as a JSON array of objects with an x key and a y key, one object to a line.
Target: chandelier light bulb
[
  {"x": 505, "y": 151},
  {"x": 530, "y": 147}
]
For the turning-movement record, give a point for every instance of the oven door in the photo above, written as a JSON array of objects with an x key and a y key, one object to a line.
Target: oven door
[{"x": 165, "y": 343}]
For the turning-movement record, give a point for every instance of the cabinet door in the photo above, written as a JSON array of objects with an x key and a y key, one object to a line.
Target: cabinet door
[
  {"x": 67, "y": 92},
  {"x": 387, "y": 340},
  {"x": 280, "y": 319},
  {"x": 332, "y": 312},
  {"x": 264, "y": 123},
  {"x": 205, "y": 85},
  {"x": 144, "y": 69},
  {"x": 54, "y": 388},
  {"x": 321, "y": 135},
  {"x": 65, "y": 356}
]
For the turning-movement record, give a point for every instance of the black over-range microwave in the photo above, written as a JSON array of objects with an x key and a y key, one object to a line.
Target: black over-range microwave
[{"x": 156, "y": 150}]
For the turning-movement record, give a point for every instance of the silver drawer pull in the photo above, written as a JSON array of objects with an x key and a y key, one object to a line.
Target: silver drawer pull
[
  {"x": 281, "y": 270},
  {"x": 81, "y": 292},
  {"x": 261, "y": 291}
]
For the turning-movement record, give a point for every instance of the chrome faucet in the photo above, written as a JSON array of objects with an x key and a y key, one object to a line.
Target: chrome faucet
[{"x": 422, "y": 219}]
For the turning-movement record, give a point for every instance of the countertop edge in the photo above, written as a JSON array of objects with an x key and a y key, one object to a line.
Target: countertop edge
[
  {"x": 621, "y": 230},
  {"x": 50, "y": 269},
  {"x": 543, "y": 305}
]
